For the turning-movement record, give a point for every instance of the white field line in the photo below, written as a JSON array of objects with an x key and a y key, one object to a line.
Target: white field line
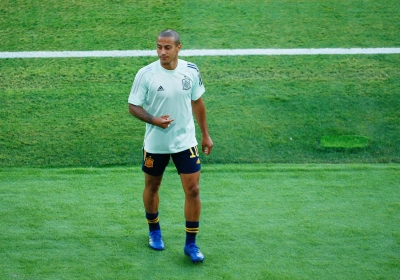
[{"x": 216, "y": 52}]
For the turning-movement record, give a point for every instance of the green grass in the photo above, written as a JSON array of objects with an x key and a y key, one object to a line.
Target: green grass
[
  {"x": 261, "y": 109},
  {"x": 258, "y": 222},
  {"x": 104, "y": 25},
  {"x": 344, "y": 141},
  {"x": 73, "y": 112}
]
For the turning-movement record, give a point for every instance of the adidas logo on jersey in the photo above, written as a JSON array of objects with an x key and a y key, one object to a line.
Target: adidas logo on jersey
[{"x": 160, "y": 88}]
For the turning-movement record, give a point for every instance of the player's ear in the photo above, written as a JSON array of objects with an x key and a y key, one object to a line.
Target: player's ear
[{"x": 179, "y": 46}]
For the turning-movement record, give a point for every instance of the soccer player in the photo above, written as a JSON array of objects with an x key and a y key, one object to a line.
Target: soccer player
[{"x": 165, "y": 95}]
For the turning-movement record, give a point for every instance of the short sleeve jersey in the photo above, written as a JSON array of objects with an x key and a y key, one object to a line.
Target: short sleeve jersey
[{"x": 168, "y": 92}]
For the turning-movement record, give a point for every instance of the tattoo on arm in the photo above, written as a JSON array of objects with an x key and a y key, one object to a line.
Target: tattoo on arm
[
  {"x": 144, "y": 116},
  {"x": 141, "y": 114}
]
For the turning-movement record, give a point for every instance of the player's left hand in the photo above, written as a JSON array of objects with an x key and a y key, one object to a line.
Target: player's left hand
[{"x": 206, "y": 145}]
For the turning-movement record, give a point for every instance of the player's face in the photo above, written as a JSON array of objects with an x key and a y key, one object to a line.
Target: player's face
[{"x": 168, "y": 51}]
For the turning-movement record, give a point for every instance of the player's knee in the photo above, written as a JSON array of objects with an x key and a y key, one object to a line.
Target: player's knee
[
  {"x": 152, "y": 188},
  {"x": 193, "y": 191},
  {"x": 152, "y": 184}
]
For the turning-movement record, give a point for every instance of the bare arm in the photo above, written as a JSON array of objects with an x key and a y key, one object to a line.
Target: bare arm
[
  {"x": 143, "y": 115},
  {"x": 199, "y": 111}
]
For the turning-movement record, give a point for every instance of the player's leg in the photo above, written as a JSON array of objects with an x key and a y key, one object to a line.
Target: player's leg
[
  {"x": 151, "y": 201},
  {"x": 151, "y": 198},
  {"x": 188, "y": 165},
  {"x": 190, "y": 183},
  {"x": 153, "y": 167}
]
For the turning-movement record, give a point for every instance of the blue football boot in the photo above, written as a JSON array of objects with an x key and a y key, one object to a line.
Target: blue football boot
[
  {"x": 193, "y": 252},
  {"x": 155, "y": 240}
]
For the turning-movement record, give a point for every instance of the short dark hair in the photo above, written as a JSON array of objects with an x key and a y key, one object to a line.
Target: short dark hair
[{"x": 171, "y": 33}]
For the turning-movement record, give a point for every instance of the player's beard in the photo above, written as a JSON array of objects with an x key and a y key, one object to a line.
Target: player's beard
[
  {"x": 169, "y": 61},
  {"x": 165, "y": 60}
]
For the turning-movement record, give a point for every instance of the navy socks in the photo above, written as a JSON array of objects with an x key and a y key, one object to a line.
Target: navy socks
[
  {"x": 153, "y": 221},
  {"x": 192, "y": 228}
]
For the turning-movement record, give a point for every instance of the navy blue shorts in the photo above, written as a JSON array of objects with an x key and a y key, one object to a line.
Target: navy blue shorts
[{"x": 186, "y": 162}]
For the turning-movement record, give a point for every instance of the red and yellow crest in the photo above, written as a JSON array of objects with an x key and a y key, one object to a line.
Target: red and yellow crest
[{"x": 148, "y": 162}]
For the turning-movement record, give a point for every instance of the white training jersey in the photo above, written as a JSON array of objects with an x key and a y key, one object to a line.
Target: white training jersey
[{"x": 168, "y": 92}]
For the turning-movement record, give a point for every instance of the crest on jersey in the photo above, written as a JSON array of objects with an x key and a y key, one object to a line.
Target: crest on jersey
[{"x": 186, "y": 83}]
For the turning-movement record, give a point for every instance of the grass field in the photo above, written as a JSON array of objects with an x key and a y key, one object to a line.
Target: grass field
[
  {"x": 258, "y": 222},
  {"x": 204, "y": 24},
  {"x": 73, "y": 112},
  {"x": 278, "y": 203}
]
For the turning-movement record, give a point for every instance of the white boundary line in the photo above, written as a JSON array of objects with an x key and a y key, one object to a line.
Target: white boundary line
[{"x": 215, "y": 52}]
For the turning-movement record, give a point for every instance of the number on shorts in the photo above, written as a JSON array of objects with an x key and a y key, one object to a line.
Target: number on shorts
[{"x": 196, "y": 154}]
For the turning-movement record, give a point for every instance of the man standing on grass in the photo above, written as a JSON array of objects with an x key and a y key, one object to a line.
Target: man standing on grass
[{"x": 166, "y": 94}]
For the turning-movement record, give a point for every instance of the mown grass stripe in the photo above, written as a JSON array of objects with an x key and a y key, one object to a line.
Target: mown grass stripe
[{"x": 210, "y": 52}]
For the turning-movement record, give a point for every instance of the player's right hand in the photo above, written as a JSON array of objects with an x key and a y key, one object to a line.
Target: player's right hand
[{"x": 164, "y": 121}]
